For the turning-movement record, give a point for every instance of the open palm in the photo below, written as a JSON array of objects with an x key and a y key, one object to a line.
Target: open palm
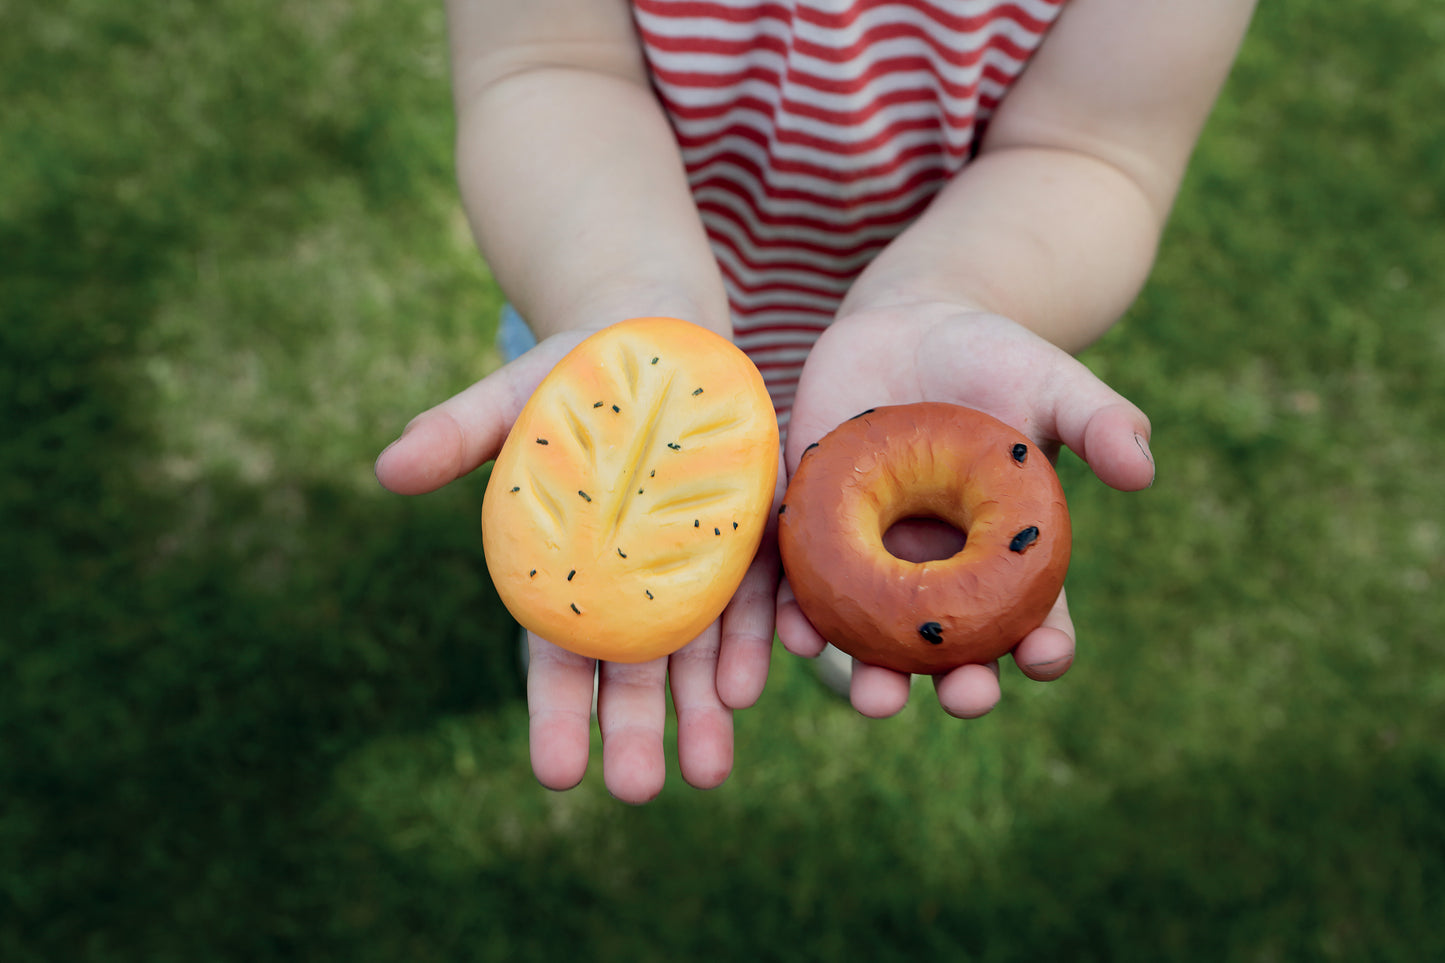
[{"x": 939, "y": 352}]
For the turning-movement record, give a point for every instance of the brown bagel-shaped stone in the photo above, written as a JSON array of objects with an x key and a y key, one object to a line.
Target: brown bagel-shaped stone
[{"x": 925, "y": 460}]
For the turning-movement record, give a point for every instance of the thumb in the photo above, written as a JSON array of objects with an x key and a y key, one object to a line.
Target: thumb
[
  {"x": 1108, "y": 432},
  {"x": 467, "y": 430}
]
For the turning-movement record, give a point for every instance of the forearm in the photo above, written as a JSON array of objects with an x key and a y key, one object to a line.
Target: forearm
[
  {"x": 576, "y": 194},
  {"x": 1057, "y": 240},
  {"x": 1056, "y": 222}
]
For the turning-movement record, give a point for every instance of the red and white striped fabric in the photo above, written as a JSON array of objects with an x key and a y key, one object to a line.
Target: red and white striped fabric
[{"x": 814, "y": 131}]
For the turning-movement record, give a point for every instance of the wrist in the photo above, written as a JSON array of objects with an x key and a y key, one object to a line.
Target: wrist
[{"x": 599, "y": 308}]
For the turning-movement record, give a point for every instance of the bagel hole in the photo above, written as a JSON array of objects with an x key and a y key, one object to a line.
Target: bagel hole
[{"x": 924, "y": 538}]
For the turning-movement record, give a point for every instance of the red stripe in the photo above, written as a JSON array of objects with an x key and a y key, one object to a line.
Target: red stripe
[
  {"x": 847, "y": 261},
  {"x": 776, "y": 287},
  {"x": 765, "y": 219},
  {"x": 782, "y": 308},
  {"x": 808, "y": 329},
  {"x": 844, "y": 55},
  {"x": 823, "y": 145},
  {"x": 918, "y": 151},
  {"x": 783, "y": 14},
  {"x": 795, "y": 267},
  {"x": 927, "y": 169},
  {"x": 775, "y": 364},
  {"x": 676, "y": 81}
]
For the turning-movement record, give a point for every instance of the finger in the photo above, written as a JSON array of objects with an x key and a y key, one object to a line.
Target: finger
[
  {"x": 1109, "y": 433},
  {"x": 704, "y": 724},
  {"x": 1047, "y": 652},
  {"x": 877, "y": 692},
  {"x": 466, "y": 431},
  {"x": 969, "y": 691},
  {"x": 794, "y": 630},
  {"x": 632, "y": 712},
  {"x": 559, "y": 703},
  {"x": 749, "y": 620},
  {"x": 746, "y": 630}
]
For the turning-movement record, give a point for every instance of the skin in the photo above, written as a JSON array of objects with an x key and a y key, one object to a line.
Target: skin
[{"x": 579, "y": 204}]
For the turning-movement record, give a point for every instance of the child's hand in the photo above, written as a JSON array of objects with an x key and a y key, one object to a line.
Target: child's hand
[
  {"x": 940, "y": 352},
  {"x": 723, "y": 669}
]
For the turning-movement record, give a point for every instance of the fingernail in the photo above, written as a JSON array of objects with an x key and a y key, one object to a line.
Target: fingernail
[
  {"x": 389, "y": 447},
  {"x": 1143, "y": 444}
]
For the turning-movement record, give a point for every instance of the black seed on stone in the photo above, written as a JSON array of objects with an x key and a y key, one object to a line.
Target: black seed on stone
[
  {"x": 1024, "y": 539},
  {"x": 585, "y": 496},
  {"x": 570, "y": 574},
  {"x": 862, "y": 413},
  {"x": 648, "y": 593},
  {"x": 576, "y": 609},
  {"x": 1020, "y": 452},
  {"x": 516, "y": 488},
  {"x": 597, "y": 404},
  {"x": 932, "y": 633},
  {"x": 541, "y": 441},
  {"x": 810, "y": 447},
  {"x": 697, "y": 392}
]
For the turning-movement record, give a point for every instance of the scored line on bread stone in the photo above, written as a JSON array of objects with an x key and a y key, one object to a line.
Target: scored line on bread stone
[{"x": 641, "y": 454}]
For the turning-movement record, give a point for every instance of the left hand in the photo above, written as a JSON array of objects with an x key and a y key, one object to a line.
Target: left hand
[
  {"x": 722, "y": 670},
  {"x": 932, "y": 351}
]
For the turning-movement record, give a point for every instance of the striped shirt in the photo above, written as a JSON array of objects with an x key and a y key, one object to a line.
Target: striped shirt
[{"x": 814, "y": 131}]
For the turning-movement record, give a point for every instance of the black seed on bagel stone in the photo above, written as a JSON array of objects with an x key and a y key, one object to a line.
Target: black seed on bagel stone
[
  {"x": 932, "y": 633},
  {"x": 1020, "y": 452},
  {"x": 1024, "y": 539}
]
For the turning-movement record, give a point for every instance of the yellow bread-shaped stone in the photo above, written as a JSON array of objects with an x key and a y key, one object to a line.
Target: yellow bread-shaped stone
[{"x": 632, "y": 492}]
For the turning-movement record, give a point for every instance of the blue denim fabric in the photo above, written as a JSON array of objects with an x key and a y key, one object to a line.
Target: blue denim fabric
[{"x": 514, "y": 338}]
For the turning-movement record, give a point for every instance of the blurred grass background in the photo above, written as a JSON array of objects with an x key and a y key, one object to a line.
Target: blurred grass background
[{"x": 254, "y": 708}]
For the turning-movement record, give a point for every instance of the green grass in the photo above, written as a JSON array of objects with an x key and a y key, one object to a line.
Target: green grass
[{"x": 253, "y": 708}]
